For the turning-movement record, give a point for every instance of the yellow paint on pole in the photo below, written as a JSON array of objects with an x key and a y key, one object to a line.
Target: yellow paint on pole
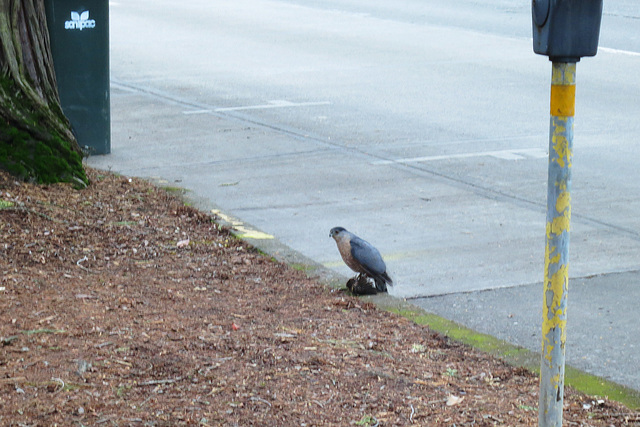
[
  {"x": 556, "y": 268},
  {"x": 562, "y": 223},
  {"x": 564, "y": 202},
  {"x": 563, "y": 100},
  {"x": 560, "y": 146}
]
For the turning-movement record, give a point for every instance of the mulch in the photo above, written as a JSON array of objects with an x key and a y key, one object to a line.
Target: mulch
[{"x": 120, "y": 306}]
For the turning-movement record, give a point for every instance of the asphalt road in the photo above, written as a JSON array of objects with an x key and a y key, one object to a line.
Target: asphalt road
[{"x": 421, "y": 126}]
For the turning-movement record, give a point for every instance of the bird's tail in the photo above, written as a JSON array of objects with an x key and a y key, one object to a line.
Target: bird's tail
[{"x": 382, "y": 281}]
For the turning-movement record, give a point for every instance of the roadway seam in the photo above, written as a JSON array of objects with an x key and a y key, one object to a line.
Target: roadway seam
[{"x": 479, "y": 190}]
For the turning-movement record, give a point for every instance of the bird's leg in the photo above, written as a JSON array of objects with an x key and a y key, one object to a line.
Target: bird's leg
[
  {"x": 355, "y": 280},
  {"x": 363, "y": 280}
]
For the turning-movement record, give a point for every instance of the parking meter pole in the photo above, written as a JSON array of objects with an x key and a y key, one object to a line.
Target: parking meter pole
[{"x": 556, "y": 270}]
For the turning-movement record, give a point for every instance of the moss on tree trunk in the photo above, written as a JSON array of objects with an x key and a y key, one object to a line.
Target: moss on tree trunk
[{"x": 36, "y": 142}]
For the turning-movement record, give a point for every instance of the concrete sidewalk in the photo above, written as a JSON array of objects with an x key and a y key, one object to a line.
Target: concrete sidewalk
[{"x": 293, "y": 186}]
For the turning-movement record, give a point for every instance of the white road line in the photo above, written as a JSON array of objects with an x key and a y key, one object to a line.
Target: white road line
[
  {"x": 271, "y": 104},
  {"x": 619, "y": 51},
  {"x": 527, "y": 153}
]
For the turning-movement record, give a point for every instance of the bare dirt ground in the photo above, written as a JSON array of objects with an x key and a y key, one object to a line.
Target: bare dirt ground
[{"x": 120, "y": 306}]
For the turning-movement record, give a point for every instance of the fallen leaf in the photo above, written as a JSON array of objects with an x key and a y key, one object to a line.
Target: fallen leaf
[
  {"x": 454, "y": 400},
  {"x": 46, "y": 319}
]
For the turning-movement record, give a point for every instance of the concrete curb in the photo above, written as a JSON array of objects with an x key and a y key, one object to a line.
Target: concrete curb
[{"x": 589, "y": 384}]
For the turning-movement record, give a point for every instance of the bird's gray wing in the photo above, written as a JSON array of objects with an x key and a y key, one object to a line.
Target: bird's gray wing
[{"x": 368, "y": 256}]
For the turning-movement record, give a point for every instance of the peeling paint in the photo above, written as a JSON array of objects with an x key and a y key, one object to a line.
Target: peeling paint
[
  {"x": 564, "y": 202},
  {"x": 556, "y": 269},
  {"x": 561, "y": 135},
  {"x": 561, "y": 223}
]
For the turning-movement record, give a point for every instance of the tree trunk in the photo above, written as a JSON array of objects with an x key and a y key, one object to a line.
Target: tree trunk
[{"x": 36, "y": 142}]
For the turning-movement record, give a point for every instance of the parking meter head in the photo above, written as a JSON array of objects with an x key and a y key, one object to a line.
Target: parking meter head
[{"x": 566, "y": 30}]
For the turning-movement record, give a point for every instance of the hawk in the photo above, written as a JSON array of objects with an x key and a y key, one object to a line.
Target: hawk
[{"x": 363, "y": 258}]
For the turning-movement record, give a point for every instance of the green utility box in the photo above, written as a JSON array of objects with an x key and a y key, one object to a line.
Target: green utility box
[{"x": 79, "y": 34}]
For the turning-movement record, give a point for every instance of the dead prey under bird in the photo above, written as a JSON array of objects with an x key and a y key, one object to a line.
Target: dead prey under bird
[{"x": 363, "y": 258}]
